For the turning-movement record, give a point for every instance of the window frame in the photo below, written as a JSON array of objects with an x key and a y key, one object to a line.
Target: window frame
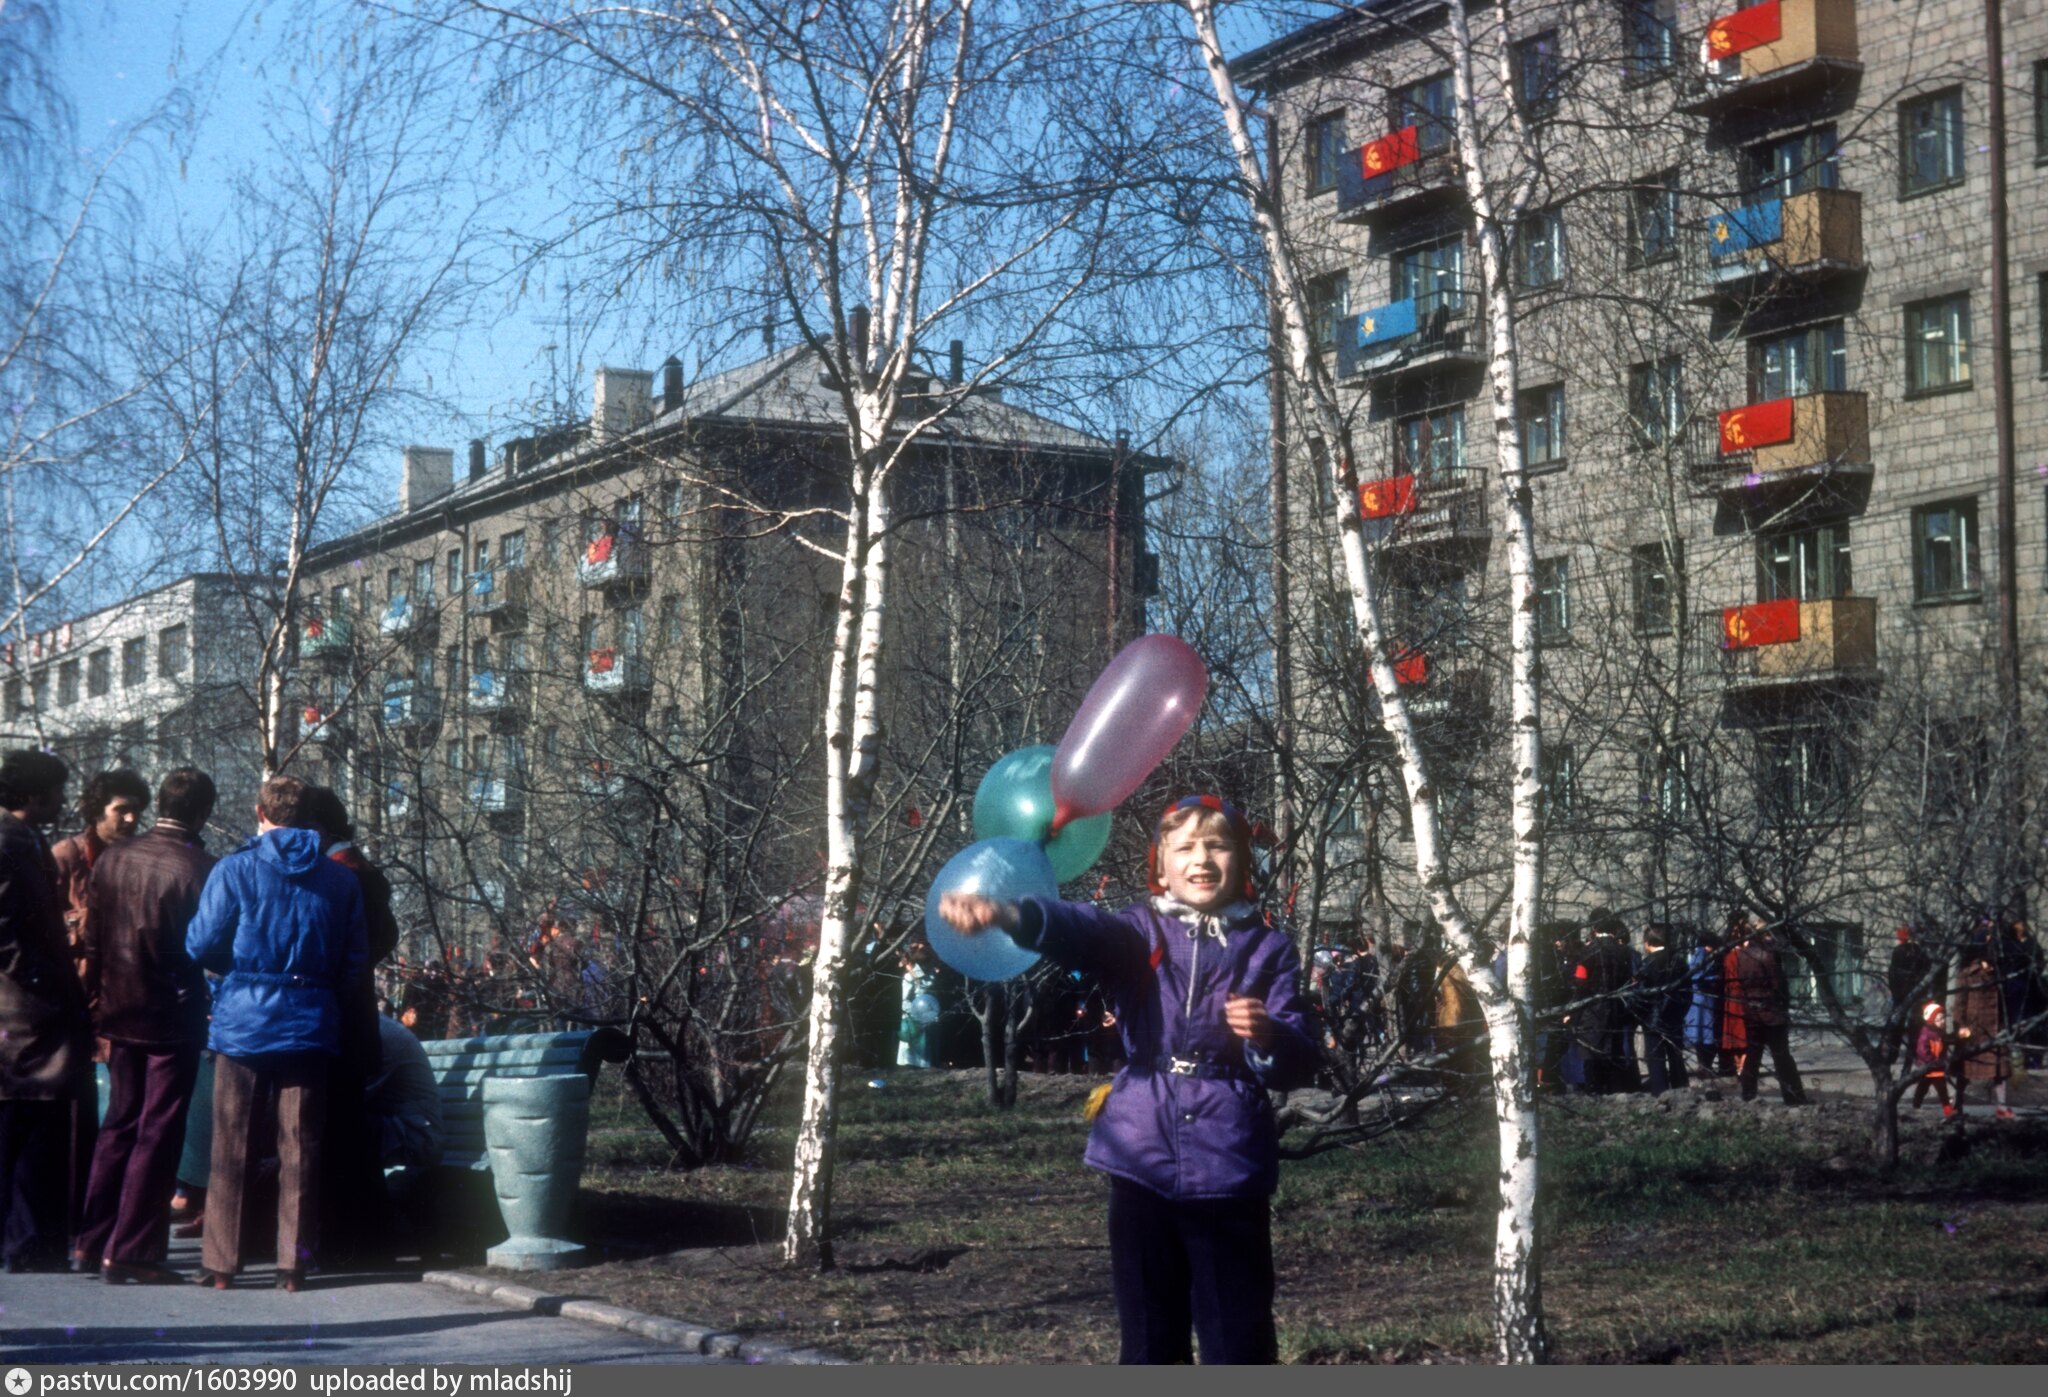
[
  {"x": 1652, "y": 569},
  {"x": 167, "y": 648},
  {"x": 1554, "y": 600},
  {"x": 1823, "y": 552},
  {"x": 1558, "y": 777},
  {"x": 1329, "y": 301},
  {"x": 1954, "y": 309},
  {"x": 1964, "y": 508},
  {"x": 1323, "y": 159},
  {"x": 1659, "y": 189},
  {"x": 135, "y": 662},
  {"x": 1958, "y": 149},
  {"x": 1433, "y": 130},
  {"x": 1551, "y": 219},
  {"x": 1446, "y": 423},
  {"x": 1819, "y": 168},
  {"x": 1826, "y": 345},
  {"x": 1545, "y": 44},
  {"x": 1667, "y": 377},
  {"x": 1552, "y": 414},
  {"x": 1637, "y": 68},
  {"x": 99, "y": 672}
]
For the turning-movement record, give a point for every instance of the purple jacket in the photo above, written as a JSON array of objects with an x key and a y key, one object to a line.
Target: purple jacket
[{"x": 1209, "y": 1134}]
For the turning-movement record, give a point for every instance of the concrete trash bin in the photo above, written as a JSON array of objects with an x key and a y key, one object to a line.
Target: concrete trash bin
[{"x": 534, "y": 1133}]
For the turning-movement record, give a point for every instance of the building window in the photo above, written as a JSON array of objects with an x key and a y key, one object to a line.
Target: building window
[
  {"x": 1426, "y": 106},
  {"x": 1553, "y": 600},
  {"x": 17, "y": 701},
  {"x": 1653, "y": 218},
  {"x": 672, "y": 503},
  {"x": 173, "y": 651},
  {"x": 1559, "y": 775},
  {"x": 2041, "y": 317},
  {"x": 423, "y": 583},
  {"x": 451, "y": 660},
  {"x": 1664, "y": 781},
  {"x": 1656, "y": 397},
  {"x": 1539, "y": 73},
  {"x": 1945, "y": 550},
  {"x": 1651, "y": 575},
  {"x": 1329, "y": 301},
  {"x": 1543, "y": 428},
  {"x": 99, "y": 673},
  {"x": 1649, "y": 38},
  {"x": 1431, "y": 445},
  {"x": 1321, "y": 475},
  {"x": 512, "y": 549},
  {"x": 1938, "y": 345},
  {"x": 1326, "y": 146},
  {"x": 2041, "y": 110},
  {"x": 1812, "y": 360},
  {"x": 67, "y": 683},
  {"x": 1802, "y": 774},
  {"x": 1539, "y": 251},
  {"x": 1433, "y": 276},
  {"x": 454, "y": 572},
  {"x": 1810, "y": 564},
  {"x": 671, "y": 621},
  {"x": 1931, "y": 142},
  {"x": 1792, "y": 165},
  {"x": 134, "y": 662},
  {"x": 481, "y": 556},
  {"x": 1343, "y": 818},
  {"x": 550, "y": 542}
]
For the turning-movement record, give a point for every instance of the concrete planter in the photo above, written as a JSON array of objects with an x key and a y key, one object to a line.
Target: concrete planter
[{"x": 534, "y": 1131}]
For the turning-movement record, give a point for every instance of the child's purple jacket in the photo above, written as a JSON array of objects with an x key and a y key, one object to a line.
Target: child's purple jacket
[{"x": 1185, "y": 1136}]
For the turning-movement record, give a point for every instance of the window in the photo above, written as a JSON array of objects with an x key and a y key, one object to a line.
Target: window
[
  {"x": 1329, "y": 300},
  {"x": 512, "y": 549},
  {"x": 1664, "y": 780},
  {"x": 423, "y": 674},
  {"x": 454, "y": 572},
  {"x": 1321, "y": 475},
  {"x": 1810, "y": 564},
  {"x": 589, "y": 636},
  {"x": 394, "y": 583},
  {"x": 481, "y": 556},
  {"x": 1558, "y": 773},
  {"x": 1649, "y": 38},
  {"x": 1802, "y": 773},
  {"x": 1326, "y": 143},
  {"x": 1426, "y": 106},
  {"x": 551, "y": 742},
  {"x": 1651, "y": 570},
  {"x": 423, "y": 583},
  {"x": 451, "y": 659},
  {"x": 2041, "y": 317},
  {"x": 1792, "y": 165},
  {"x": 1539, "y": 251},
  {"x": 672, "y": 503},
  {"x": 99, "y": 672},
  {"x": 1343, "y": 818},
  {"x": 1433, "y": 275},
  {"x": 551, "y": 542},
  {"x": 1653, "y": 218},
  {"x": 1553, "y": 600},
  {"x": 340, "y": 600},
  {"x": 1431, "y": 445},
  {"x": 1945, "y": 550},
  {"x": 1938, "y": 345},
  {"x": 629, "y": 512},
  {"x": 1656, "y": 397},
  {"x": 134, "y": 662},
  {"x": 1539, "y": 73},
  {"x": 671, "y": 620},
  {"x": 17, "y": 699},
  {"x": 1931, "y": 142},
  {"x": 1812, "y": 360},
  {"x": 67, "y": 683},
  {"x": 631, "y": 631},
  {"x": 2041, "y": 110},
  {"x": 173, "y": 651},
  {"x": 1543, "y": 427}
]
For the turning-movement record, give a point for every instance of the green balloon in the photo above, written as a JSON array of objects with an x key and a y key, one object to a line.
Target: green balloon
[{"x": 1014, "y": 801}]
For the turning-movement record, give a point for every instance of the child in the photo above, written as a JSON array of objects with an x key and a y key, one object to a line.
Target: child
[
  {"x": 1929, "y": 1051},
  {"x": 1210, "y": 1005}
]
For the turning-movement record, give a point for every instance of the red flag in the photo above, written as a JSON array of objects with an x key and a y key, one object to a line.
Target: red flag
[
  {"x": 314, "y": 627},
  {"x": 600, "y": 550},
  {"x": 1759, "y": 424},
  {"x": 1412, "y": 668},
  {"x": 1761, "y": 623},
  {"x": 1392, "y": 151},
  {"x": 601, "y": 661},
  {"x": 1379, "y": 498},
  {"x": 1745, "y": 29},
  {"x": 312, "y": 717}
]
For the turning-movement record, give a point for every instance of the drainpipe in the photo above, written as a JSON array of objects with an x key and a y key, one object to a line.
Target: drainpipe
[{"x": 2001, "y": 371}]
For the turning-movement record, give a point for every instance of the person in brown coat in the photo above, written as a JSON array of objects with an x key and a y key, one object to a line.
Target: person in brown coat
[
  {"x": 111, "y": 806},
  {"x": 1758, "y": 984},
  {"x": 45, "y": 1032},
  {"x": 1980, "y": 1054},
  {"x": 150, "y": 1006}
]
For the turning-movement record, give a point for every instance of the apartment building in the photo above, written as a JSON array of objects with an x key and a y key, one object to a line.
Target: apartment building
[
  {"x": 606, "y": 648},
  {"x": 1755, "y": 304}
]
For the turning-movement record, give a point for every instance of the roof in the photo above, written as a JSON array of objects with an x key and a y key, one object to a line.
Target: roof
[{"x": 1287, "y": 58}]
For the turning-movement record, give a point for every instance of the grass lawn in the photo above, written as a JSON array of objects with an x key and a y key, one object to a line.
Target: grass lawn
[{"x": 970, "y": 1235}]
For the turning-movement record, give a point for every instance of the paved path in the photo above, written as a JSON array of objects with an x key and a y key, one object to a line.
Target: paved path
[{"x": 385, "y": 1318}]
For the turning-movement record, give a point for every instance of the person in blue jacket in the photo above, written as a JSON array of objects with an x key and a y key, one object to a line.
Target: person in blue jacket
[
  {"x": 1209, "y": 1001},
  {"x": 283, "y": 926}
]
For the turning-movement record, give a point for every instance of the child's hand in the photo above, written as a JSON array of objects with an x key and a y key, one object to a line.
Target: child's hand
[
  {"x": 971, "y": 913},
  {"x": 1248, "y": 1019}
]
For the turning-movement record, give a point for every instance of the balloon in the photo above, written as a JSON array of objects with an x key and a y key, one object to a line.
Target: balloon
[
  {"x": 1006, "y": 869},
  {"x": 1014, "y": 801},
  {"x": 923, "y": 1009},
  {"x": 1137, "y": 710}
]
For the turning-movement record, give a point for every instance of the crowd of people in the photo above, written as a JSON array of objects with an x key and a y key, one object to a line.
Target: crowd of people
[{"x": 232, "y": 1004}]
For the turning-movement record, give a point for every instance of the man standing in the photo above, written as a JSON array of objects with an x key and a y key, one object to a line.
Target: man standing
[
  {"x": 111, "y": 805},
  {"x": 1601, "y": 1025},
  {"x": 45, "y": 1033},
  {"x": 1664, "y": 999},
  {"x": 1759, "y": 986},
  {"x": 150, "y": 1006},
  {"x": 284, "y": 927},
  {"x": 1911, "y": 980}
]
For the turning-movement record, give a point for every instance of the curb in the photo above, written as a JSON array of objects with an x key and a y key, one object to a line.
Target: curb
[{"x": 692, "y": 1338}]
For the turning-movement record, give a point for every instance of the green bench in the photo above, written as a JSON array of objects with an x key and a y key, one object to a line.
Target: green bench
[{"x": 462, "y": 1065}]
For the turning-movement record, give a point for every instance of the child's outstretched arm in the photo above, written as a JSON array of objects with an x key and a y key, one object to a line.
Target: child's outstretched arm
[
  {"x": 971, "y": 913},
  {"x": 1073, "y": 934}
]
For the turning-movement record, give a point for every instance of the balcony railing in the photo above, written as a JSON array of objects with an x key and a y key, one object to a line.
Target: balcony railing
[
  {"x": 1799, "y": 640},
  {"x": 1437, "y": 506},
  {"x": 614, "y": 557},
  {"x": 1773, "y": 50},
  {"x": 494, "y": 591},
  {"x": 1748, "y": 446},
  {"x": 402, "y": 620},
  {"x": 1809, "y": 237},
  {"x": 496, "y": 691},
  {"x": 1363, "y": 193},
  {"x": 1402, "y": 336},
  {"x": 494, "y": 795},
  {"x": 410, "y": 704},
  {"x": 613, "y": 671},
  {"x": 324, "y": 637}
]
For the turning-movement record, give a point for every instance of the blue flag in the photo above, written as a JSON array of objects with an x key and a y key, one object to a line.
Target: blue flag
[{"x": 1740, "y": 230}]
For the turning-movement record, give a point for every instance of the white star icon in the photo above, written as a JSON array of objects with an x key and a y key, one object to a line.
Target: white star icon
[{"x": 19, "y": 1381}]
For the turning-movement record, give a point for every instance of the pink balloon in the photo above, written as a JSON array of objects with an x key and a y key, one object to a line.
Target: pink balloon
[{"x": 1136, "y": 711}]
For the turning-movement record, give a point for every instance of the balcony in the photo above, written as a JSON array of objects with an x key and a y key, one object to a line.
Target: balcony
[
  {"x": 318, "y": 726},
  {"x": 324, "y": 637},
  {"x": 404, "y": 622},
  {"x": 1783, "y": 441},
  {"x": 494, "y": 691},
  {"x": 1390, "y": 176},
  {"x": 409, "y": 704},
  {"x": 1776, "y": 52},
  {"x": 615, "y": 558},
  {"x": 494, "y": 795},
  {"x": 611, "y": 671},
  {"x": 495, "y": 592},
  {"x": 1439, "y": 691},
  {"x": 1441, "y": 506},
  {"x": 1428, "y": 333},
  {"x": 1808, "y": 240},
  {"x": 1789, "y": 642}
]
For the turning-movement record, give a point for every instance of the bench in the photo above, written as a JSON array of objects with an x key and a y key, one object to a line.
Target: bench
[{"x": 461, "y": 1066}]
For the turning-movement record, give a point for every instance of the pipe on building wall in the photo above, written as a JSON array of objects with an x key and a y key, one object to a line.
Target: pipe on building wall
[{"x": 2001, "y": 368}]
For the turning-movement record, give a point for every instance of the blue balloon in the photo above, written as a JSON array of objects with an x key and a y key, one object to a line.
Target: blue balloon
[
  {"x": 1006, "y": 869},
  {"x": 923, "y": 1008}
]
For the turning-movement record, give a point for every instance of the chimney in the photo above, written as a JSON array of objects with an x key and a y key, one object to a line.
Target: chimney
[
  {"x": 477, "y": 462},
  {"x": 671, "y": 383},
  {"x": 619, "y": 402},
  {"x": 428, "y": 474},
  {"x": 956, "y": 363}
]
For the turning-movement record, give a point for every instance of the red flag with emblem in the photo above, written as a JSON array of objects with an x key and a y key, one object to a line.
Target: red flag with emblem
[
  {"x": 1760, "y": 623},
  {"x": 1759, "y": 424},
  {"x": 1412, "y": 668},
  {"x": 1745, "y": 29},
  {"x": 1379, "y": 498},
  {"x": 1390, "y": 152},
  {"x": 601, "y": 661}
]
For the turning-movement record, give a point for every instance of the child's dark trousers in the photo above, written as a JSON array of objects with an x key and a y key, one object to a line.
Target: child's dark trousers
[{"x": 1204, "y": 1264}]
